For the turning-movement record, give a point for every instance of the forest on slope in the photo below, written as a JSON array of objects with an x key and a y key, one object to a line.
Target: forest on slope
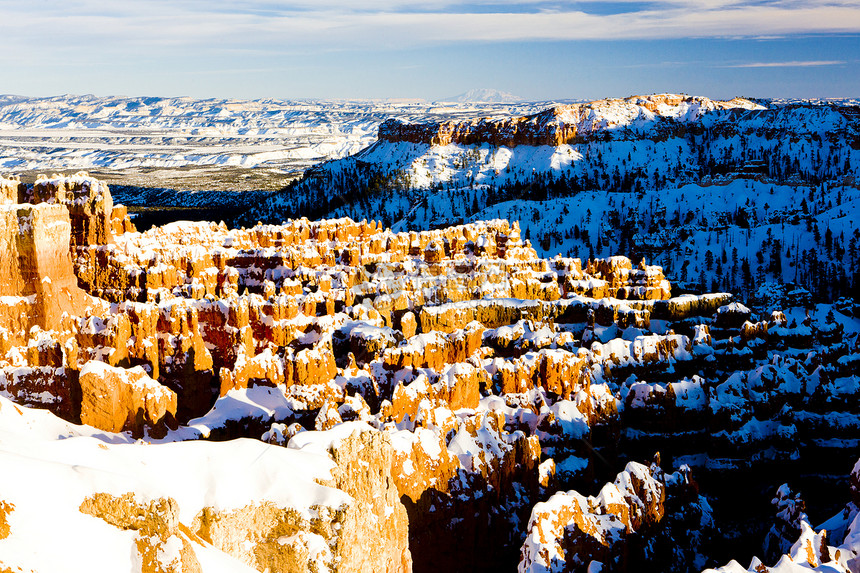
[{"x": 736, "y": 196}]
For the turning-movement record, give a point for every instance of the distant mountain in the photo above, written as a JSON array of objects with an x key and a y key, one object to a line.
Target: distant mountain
[
  {"x": 69, "y": 133},
  {"x": 485, "y": 96}
]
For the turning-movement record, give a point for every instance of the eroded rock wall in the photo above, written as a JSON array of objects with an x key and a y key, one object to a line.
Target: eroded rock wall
[
  {"x": 38, "y": 284},
  {"x": 556, "y": 126}
]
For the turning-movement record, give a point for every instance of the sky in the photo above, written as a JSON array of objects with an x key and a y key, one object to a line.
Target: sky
[{"x": 430, "y": 49}]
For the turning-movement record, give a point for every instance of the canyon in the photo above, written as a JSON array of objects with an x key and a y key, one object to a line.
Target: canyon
[{"x": 333, "y": 395}]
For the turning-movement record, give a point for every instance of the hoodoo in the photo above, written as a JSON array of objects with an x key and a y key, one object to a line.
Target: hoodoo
[{"x": 335, "y": 396}]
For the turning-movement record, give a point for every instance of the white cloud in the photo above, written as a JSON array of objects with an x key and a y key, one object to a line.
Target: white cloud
[
  {"x": 384, "y": 24},
  {"x": 796, "y": 64}
]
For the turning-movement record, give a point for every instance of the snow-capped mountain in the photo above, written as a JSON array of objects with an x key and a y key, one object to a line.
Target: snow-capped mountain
[
  {"x": 725, "y": 195},
  {"x": 484, "y": 95}
]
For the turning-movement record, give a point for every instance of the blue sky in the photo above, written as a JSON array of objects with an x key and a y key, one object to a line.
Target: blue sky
[{"x": 430, "y": 49}]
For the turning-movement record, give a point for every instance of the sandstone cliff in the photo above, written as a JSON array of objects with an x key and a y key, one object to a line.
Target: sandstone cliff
[
  {"x": 38, "y": 284},
  {"x": 560, "y": 124},
  {"x": 88, "y": 201}
]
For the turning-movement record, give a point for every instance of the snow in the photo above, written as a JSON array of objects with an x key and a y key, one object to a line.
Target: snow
[
  {"x": 806, "y": 554},
  {"x": 571, "y": 465},
  {"x": 544, "y": 547},
  {"x": 690, "y": 394},
  {"x": 701, "y": 228},
  {"x": 65, "y": 464},
  {"x": 818, "y": 314},
  {"x": 364, "y": 331},
  {"x": 573, "y": 423},
  {"x": 84, "y": 132},
  {"x": 135, "y": 376},
  {"x": 322, "y": 443},
  {"x": 643, "y": 348},
  {"x": 733, "y": 307},
  {"x": 483, "y": 95},
  {"x": 256, "y": 402}
]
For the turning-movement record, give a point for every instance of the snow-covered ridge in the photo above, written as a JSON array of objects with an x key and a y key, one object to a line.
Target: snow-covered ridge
[
  {"x": 564, "y": 124},
  {"x": 72, "y": 132},
  {"x": 485, "y": 95},
  {"x": 637, "y": 173}
]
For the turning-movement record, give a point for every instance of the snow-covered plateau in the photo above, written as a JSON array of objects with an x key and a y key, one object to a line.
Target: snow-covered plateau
[{"x": 70, "y": 133}]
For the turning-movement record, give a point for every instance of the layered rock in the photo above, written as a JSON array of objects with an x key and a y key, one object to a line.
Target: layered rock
[
  {"x": 156, "y": 526},
  {"x": 198, "y": 506},
  {"x": 490, "y": 377},
  {"x": 375, "y": 531},
  {"x": 463, "y": 476},
  {"x": 558, "y": 125},
  {"x": 116, "y": 399},
  {"x": 38, "y": 284},
  {"x": 12, "y": 191},
  {"x": 88, "y": 201}
]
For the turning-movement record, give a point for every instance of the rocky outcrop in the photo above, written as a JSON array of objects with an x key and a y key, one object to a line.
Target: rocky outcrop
[
  {"x": 38, "y": 284},
  {"x": 116, "y": 399},
  {"x": 162, "y": 543},
  {"x": 51, "y": 387},
  {"x": 5, "y": 509},
  {"x": 41, "y": 228},
  {"x": 88, "y": 201},
  {"x": 733, "y": 315},
  {"x": 375, "y": 534},
  {"x": 120, "y": 222},
  {"x": 613, "y": 531},
  {"x": 645, "y": 518},
  {"x": 12, "y": 191},
  {"x": 195, "y": 505},
  {"x": 788, "y": 525},
  {"x": 481, "y": 378},
  {"x": 463, "y": 476},
  {"x": 556, "y": 126}
]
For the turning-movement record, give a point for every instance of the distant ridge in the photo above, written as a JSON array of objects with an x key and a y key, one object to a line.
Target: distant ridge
[{"x": 485, "y": 96}]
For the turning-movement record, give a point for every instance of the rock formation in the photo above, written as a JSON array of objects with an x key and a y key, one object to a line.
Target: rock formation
[
  {"x": 117, "y": 399},
  {"x": 456, "y": 381},
  {"x": 156, "y": 525},
  {"x": 375, "y": 530},
  {"x": 621, "y": 529},
  {"x": 794, "y": 545},
  {"x": 197, "y": 506},
  {"x": 88, "y": 201},
  {"x": 556, "y": 126},
  {"x": 38, "y": 283}
]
